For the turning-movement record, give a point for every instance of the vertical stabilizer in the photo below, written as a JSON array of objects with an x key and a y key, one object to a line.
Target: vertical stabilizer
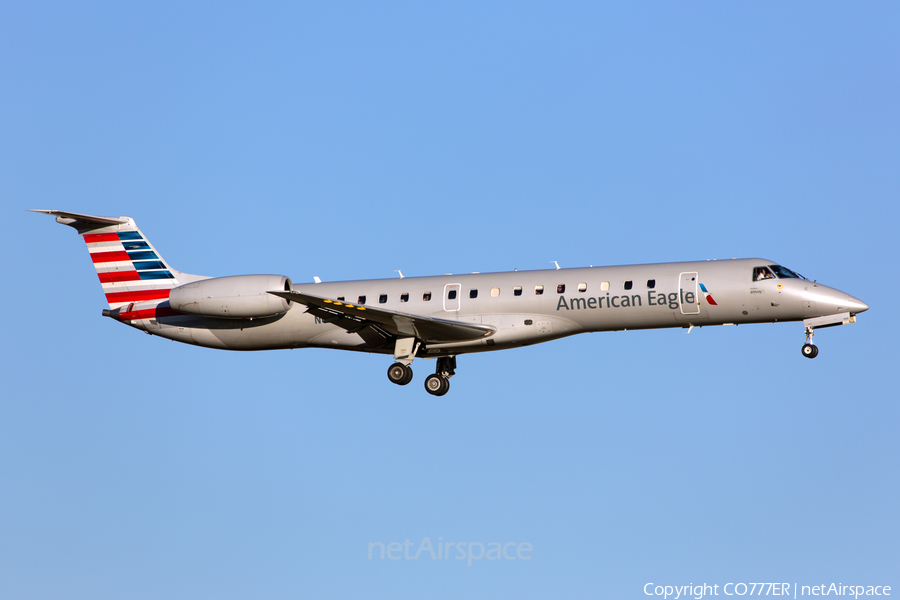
[{"x": 129, "y": 267}]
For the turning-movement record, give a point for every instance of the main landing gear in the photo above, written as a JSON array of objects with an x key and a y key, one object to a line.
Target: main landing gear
[
  {"x": 400, "y": 374},
  {"x": 809, "y": 350},
  {"x": 404, "y": 352},
  {"x": 437, "y": 384}
]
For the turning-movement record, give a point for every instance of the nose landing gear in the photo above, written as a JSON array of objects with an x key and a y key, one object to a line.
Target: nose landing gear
[{"x": 809, "y": 350}]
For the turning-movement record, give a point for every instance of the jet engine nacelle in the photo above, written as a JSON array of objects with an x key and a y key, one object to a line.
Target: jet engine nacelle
[{"x": 236, "y": 297}]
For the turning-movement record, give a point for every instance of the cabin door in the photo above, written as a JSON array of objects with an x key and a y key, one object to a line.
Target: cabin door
[{"x": 688, "y": 298}]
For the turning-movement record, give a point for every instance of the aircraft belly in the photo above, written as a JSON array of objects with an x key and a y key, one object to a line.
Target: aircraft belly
[{"x": 335, "y": 337}]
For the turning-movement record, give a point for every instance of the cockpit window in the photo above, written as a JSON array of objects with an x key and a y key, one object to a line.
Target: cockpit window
[
  {"x": 762, "y": 273},
  {"x": 785, "y": 273}
]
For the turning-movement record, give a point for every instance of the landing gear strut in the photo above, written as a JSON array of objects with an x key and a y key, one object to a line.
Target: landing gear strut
[
  {"x": 405, "y": 350},
  {"x": 438, "y": 384},
  {"x": 809, "y": 350}
]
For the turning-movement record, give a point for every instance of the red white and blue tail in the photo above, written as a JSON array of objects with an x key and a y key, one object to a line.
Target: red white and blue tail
[{"x": 129, "y": 267}]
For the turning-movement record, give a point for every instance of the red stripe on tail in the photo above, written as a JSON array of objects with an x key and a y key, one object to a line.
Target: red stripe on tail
[
  {"x": 138, "y": 296},
  {"x": 103, "y": 257},
  {"x": 114, "y": 276},
  {"x": 93, "y": 238}
]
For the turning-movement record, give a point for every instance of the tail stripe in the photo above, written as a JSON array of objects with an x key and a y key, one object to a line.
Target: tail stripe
[
  {"x": 92, "y": 238},
  {"x": 114, "y": 276},
  {"x": 142, "y": 255},
  {"x": 147, "y": 265},
  {"x": 114, "y": 266},
  {"x": 121, "y": 297},
  {"x": 105, "y": 257},
  {"x": 135, "y": 245},
  {"x": 149, "y": 275}
]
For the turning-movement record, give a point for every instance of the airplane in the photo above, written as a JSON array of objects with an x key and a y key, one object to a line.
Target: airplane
[{"x": 442, "y": 317}]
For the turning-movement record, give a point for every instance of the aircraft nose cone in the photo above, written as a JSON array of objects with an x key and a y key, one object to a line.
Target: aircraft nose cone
[{"x": 857, "y": 305}]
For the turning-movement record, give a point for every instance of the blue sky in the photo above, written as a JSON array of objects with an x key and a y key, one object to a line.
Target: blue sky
[{"x": 349, "y": 141}]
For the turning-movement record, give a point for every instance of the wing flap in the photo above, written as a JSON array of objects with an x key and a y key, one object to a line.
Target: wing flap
[{"x": 373, "y": 323}]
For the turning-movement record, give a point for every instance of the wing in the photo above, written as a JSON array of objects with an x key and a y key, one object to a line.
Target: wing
[{"x": 377, "y": 326}]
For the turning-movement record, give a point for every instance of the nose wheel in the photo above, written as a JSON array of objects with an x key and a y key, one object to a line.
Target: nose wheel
[{"x": 809, "y": 350}]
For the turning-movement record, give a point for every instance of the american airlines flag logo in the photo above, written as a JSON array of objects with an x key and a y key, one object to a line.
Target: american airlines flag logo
[
  {"x": 129, "y": 268},
  {"x": 707, "y": 295}
]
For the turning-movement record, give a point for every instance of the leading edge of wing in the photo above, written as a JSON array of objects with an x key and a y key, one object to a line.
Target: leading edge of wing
[{"x": 428, "y": 329}]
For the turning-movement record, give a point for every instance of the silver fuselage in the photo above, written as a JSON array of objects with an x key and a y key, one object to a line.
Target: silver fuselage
[{"x": 594, "y": 299}]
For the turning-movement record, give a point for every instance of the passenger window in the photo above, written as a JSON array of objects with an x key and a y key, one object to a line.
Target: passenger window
[
  {"x": 627, "y": 285},
  {"x": 582, "y": 287},
  {"x": 382, "y": 299},
  {"x": 651, "y": 283},
  {"x": 561, "y": 288},
  {"x": 361, "y": 300},
  {"x": 451, "y": 295},
  {"x": 762, "y": 273},
  {"x": 517, "y": 291},
  {"x": 604, "y": 286},
  {"x": 495, "y": 292},
  {"x": 341, "y": 298},
  {"x": 426, "y": 297},
  {"x": 473, "y": 293},
  {"x": 538, "y": 290},
  {"x": 404, "y": 297}
]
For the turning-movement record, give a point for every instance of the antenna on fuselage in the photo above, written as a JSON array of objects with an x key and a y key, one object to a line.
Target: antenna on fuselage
[
  {"x": 399, "y": 271},
  {"x": 316, "y": 279},
  {"x": 555, "y": 263}
]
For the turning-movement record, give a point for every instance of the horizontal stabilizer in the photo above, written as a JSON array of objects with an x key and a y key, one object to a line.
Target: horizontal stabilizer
[
  {"x": 355, "y": 318},
  {"x": 59, "y": 214}
]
